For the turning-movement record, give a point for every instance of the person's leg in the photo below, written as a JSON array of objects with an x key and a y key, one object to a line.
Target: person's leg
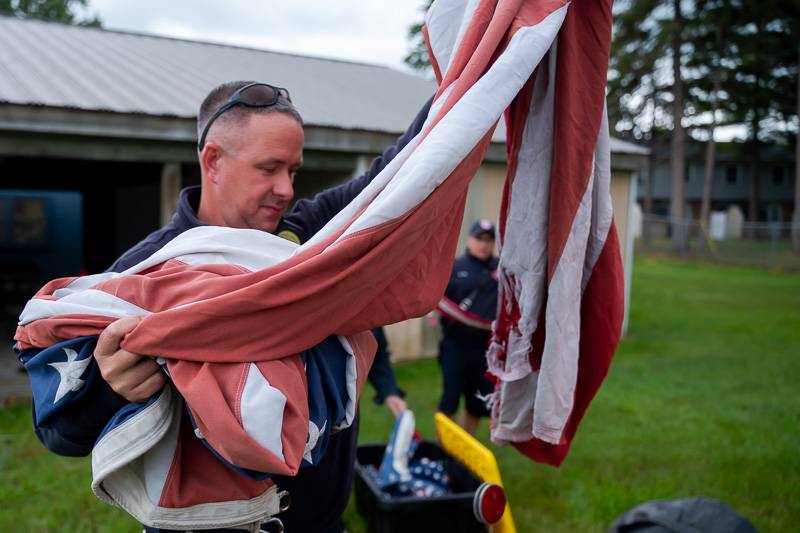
[
  {"x": 476, "y": 389},
  {"x": 453, "y": 376},
  {"x": 469, "y": 422}
]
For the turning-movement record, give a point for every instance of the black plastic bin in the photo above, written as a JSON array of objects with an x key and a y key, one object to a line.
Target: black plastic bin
[{"x": 383, "y": 514}]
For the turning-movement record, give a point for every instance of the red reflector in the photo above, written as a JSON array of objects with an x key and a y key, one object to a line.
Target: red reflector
[{"x": 489, "y": 503}]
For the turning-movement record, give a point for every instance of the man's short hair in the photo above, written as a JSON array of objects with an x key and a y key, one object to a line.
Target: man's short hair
[{"x": 237, "y": 114}]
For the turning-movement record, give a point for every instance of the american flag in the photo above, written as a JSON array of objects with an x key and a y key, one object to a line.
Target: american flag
[{"x": 228, "y": 311}]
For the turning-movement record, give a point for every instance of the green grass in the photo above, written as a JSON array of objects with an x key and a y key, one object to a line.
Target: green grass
[{"x": 702, "y": 398}]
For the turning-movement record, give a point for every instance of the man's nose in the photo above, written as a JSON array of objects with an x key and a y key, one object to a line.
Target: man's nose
[{"x": 283, "y": 187}]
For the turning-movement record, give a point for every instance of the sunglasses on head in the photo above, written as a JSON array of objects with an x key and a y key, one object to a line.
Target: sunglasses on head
[{"x": 251, "y": 95}]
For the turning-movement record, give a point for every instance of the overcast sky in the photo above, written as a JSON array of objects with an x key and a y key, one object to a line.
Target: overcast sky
[{"x": 373, "y": 31}]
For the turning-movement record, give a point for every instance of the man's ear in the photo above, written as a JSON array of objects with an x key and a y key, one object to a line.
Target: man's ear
[{"x": 210, "y": 161}]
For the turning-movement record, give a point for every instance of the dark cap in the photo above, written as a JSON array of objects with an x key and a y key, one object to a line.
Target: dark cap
[{"x": 481, "y": 226}]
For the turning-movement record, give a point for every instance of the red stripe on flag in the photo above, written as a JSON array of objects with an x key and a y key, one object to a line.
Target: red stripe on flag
[{"x": 582, "y": 64}]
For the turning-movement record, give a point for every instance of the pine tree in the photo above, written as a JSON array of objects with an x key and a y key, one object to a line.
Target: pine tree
[
  {"x": 54, "y": 10},
  {"x": 646, "y": 90}
]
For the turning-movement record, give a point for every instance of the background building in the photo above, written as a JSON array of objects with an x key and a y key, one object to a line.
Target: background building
[{"x": 732, "y": 181}]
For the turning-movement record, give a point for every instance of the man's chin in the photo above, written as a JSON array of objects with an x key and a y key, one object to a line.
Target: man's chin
[{"x": 268, "y": 224}]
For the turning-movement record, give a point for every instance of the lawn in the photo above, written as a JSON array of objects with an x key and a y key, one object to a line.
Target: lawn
[{"x": 702, "y": 398}]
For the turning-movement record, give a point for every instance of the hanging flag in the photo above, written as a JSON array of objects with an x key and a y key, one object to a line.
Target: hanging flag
[{"x": 561, "y": 289}]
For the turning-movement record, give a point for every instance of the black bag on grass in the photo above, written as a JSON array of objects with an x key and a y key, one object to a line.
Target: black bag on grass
[{"x": 690, "y": 515}]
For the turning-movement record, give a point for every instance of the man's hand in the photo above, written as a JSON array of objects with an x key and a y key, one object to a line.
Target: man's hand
[
  {"x": 132, "y": 376},
  {"x": 395, "y": 404}
]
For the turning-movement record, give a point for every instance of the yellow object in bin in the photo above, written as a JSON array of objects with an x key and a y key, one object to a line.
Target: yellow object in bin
[{"x": 475, "y": 456}]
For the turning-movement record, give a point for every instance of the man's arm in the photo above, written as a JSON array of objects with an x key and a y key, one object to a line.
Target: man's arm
[
  {"x": 74, "y": 429},
  {"x": 71, "y": 426},
  {"x": 312, "y": 214}
]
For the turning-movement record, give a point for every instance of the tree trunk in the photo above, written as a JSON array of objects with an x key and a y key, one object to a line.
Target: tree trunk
[
  {"x": 755, "y": 167},
  {"x": 647, "y": 220},
  {"x": 677, "y": 158},
  {"x": 649, "y": 169},
  {"x": 711, "y": 148},
  {"x": 796, "y": 215}
]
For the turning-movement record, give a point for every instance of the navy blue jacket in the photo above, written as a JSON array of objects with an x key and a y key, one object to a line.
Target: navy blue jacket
[
  {"x": 328, "y": 484},
  {"x": 475, "y": 279}
]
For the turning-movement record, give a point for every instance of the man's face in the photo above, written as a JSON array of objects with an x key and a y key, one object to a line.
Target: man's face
[
  {"x": 482, "y": 246},
  {"x": 251, "y": 181}
]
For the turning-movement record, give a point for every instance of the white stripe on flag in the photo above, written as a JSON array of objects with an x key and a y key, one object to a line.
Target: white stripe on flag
[
  {"x": 602, "y": 209},
  {"x": 558, "y": 375},
  {"x": 248, "y": 248},
  {"x": 524, "y": 260},
  {"x": 88, "y": 302},
  {"x": 262, "y": 407},
  {"x": 84, "y": 282}
]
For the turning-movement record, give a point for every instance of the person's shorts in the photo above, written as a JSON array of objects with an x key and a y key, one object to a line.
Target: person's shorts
[{"x": 463, "y": 367}]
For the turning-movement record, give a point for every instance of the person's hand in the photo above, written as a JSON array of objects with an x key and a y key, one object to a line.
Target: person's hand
[
  {"x": 432, "y": 318},
  {"x": 132, "y": 376},
  {"x": 395, "y": 404}
]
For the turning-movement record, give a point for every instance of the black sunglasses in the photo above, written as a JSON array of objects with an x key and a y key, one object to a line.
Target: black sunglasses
[{"x": 251, "y": 95}]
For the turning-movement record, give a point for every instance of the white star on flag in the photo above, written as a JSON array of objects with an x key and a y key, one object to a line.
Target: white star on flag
[
  {"x": 70, "y": 372},
  {"x": 313, "y": 437}
]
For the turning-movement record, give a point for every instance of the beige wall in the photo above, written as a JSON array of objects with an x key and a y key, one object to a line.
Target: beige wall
[
  {"x": 621, "y": 184},
  {"x": 417, "y": 338}
]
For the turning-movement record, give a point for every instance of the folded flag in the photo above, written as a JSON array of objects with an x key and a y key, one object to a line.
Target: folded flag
[
  {"x": 403, "y": 474},
  {"x": 399, "y": 450}
]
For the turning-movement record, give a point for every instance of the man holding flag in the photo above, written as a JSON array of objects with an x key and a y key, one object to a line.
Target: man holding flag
[{"x": 250, "y": 148}]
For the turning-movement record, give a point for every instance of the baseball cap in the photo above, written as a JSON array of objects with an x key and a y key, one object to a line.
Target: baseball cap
[{"x": 481, "y": 226}]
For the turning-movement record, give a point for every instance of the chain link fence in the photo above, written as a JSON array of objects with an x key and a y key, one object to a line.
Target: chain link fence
[{"x": 760, "y": 244}]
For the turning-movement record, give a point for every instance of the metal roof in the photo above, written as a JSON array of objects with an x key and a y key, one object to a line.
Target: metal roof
[
  {"x": 53, "y": 64},
  {"x": 75, "y": 67},
  {"x": 618, "y": 146}
]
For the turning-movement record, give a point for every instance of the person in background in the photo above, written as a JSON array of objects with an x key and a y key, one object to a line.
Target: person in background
[{"x": 467, "y": 310}]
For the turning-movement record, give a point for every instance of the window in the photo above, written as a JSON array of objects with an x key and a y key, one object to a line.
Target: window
[
  {"x": 4, "y": 222},
  {"x": 777, "y": 175},
  {"x": 29, "y": 222},
  {"x": 731, "y": 175}
]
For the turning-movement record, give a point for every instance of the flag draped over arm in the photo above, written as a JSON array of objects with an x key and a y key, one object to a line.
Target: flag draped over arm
[{"x": 229, "y": 311}]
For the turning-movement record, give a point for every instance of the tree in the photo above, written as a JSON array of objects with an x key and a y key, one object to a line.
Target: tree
[
  {"x": 738, "y": 65},
  {"x": 713, "y": 51},
  {"x": 796, "y": 214},
  {"x": 678, "y": 141},
  {"x": 646, "y": 89},
  {"x": 55, "y": 10},
  {"x": 417, "y": 57},
  {"x": 765, "y": 39},
  {"x": 636, "y": 95}
]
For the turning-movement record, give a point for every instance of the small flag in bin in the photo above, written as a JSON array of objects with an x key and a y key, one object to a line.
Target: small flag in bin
[{"x": 399, "y": 475}]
